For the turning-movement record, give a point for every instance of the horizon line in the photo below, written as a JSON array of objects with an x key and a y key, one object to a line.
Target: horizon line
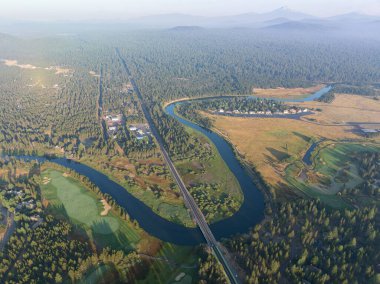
[{"x": 136, "y": 18}]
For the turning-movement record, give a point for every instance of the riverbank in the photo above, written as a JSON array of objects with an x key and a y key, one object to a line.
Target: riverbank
[
  {"x": 252, "y": 210},
  {"x": 250, "y": 213},
  {"x": 67, "y": 198},
  {"x": 210, "y": 181}
]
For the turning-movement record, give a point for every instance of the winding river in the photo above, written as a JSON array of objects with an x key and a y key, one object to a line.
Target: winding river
[
  {"x": 307, "y": 157},
  {"x": 250, "y": 213}
]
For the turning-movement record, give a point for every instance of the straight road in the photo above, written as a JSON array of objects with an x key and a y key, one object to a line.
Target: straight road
[
  {"x": 11, "y": 226},
  {"x": 100, "y": 107},
  {"x": 189, "y": 200}
]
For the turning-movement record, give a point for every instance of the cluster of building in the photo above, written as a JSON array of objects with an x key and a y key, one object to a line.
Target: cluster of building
[
  {"x": 113, "y": 121},
  {"x": 295, "y": 111},
  {"x": 266, "y": 112},
  {"x": 30, "y": 204},
  {"x": 141, "y": 131},
  {"x": 370, "y": 132},
  {"x": 23, "y": 203},
  {"x": 129, "y": 88}
]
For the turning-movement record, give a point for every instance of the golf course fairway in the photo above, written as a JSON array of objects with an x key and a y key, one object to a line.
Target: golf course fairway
[{"x": 68, "y": 198}]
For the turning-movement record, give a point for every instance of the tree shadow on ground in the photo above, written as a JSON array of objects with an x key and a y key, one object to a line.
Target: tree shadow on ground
[
  {"x": 105, "y": 236},
  {"x": 279, "y": 155},
  {"x": 303, "y": 137},
  {"x": 59, "y": 211}
]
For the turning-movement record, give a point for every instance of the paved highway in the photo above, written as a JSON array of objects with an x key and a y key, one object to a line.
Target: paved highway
[
  {"x": 189, "y": 200},
  {"x": 100, "y": 107}
]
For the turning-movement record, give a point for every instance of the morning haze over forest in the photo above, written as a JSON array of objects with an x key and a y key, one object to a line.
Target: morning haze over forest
[{"x": 189, "y": 141}]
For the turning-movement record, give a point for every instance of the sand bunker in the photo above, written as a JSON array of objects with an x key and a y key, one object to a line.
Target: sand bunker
[
  {"x": 106, "y": 209},
  {"x": 46, "y": 180},
  {"x": 180, "y": 276}
]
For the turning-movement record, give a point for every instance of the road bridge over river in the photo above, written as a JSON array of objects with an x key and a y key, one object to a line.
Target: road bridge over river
[{"x": 189, "y": 200}]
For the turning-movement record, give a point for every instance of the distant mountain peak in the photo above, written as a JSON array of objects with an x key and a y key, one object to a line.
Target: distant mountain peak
[
  {"x": 297, "y": 26},
  {"x": 284, "y": 16},
  {"x": 354, "y": 16},
  {"x": 186, "y": 28},
  {"x": 286, "y": 12},
  {"x": 283, "y": 8}
]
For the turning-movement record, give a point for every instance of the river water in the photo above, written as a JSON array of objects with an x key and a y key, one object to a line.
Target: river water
[{"x": 250, "y": 213}]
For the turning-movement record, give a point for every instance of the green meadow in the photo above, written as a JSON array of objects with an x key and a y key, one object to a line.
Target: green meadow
[
  {"x": 212, "y": 171},
  {"x": 71, "y": 200},
  {"x": 173, "y": 264},
  {"x": 97, "y": 275},
  {"x": 334, "y": 168}
]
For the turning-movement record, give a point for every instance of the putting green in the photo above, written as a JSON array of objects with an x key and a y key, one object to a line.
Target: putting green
[{"x": 79, "y": 205}]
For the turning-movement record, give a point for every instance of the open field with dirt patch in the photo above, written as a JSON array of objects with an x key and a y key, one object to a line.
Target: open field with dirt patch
[
  {"x": 344, "y": 109},
  {"x": 14, "y": 63},
  {"x": 286, "y": 93},
  {"x": 269, "y": 142},
  {"x": 276, "y": 148},
  {"x": 334, "y": 169},
  {"x": 69, "y": 199},
  {"x": 58, "y": 70}
]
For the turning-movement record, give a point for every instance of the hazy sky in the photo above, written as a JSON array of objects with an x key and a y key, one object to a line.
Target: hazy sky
[{"x": 126, "y": 9}]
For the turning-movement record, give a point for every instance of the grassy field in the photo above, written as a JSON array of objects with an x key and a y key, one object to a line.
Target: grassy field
[
  {"x": 213, "y": 172},
  {"x": 154, "y": 189},
  {"x": 296, "y": 183},
  {"x": 276, "y": 148},
  {"x": 272, "y": 143},
  {"x": 345, "y": 108},
  {"x": 101, "y": 274},
  {"x": 174, "y": 264},
  {"x": 334, "y": 169},
  {"x": 286, "y": 93},
  {"x": 68, "y": 198}
]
